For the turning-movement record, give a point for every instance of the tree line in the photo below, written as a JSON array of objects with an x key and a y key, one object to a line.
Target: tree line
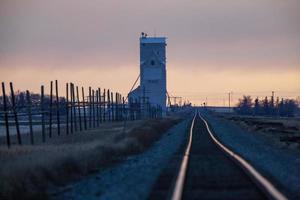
[{"x": 267, "y": 107}]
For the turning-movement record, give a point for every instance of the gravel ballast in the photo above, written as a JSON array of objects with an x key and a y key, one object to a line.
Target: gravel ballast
[
  {"x": 133, "y": 178},
  {"x": 281, "y": 166}
]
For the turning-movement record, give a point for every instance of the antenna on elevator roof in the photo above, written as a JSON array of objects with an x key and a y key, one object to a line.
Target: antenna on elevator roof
[{"x": 144, "y": 35}]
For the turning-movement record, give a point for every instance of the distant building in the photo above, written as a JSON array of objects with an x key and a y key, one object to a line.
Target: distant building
[{"x": 152, "y": 86}]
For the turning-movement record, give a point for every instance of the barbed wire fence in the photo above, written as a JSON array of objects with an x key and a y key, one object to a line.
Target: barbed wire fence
[{"x": 76, "y": 111}]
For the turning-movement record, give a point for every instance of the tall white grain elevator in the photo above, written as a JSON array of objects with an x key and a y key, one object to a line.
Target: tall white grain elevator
[
  {"x": 153, "y": 69},
  {"x": 153, "y": 83}
]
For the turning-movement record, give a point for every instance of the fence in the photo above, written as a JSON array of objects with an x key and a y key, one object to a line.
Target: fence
[{"x": 67, "y": 114}]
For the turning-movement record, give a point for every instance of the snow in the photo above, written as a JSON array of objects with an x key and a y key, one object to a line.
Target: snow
[
  {"x": 133, "y": 178},
  {"x": 281, "y": 166}
]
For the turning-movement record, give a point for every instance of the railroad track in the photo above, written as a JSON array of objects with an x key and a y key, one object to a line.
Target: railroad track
[{"x": 209, "y": 170}]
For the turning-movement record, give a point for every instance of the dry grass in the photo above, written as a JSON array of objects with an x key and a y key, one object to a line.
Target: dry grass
[
  {"x": 284, "y": 132},
  {"x": 27, "y": 172}
]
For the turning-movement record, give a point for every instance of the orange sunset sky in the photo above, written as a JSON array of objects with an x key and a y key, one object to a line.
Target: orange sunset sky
[{"x": 214, "y": 47}]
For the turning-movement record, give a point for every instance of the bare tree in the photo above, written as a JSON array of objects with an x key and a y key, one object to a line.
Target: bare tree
[{"x": 244, "y": 106}]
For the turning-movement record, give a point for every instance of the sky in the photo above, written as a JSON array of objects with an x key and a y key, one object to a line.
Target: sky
[{"x": 214, "y": 47}]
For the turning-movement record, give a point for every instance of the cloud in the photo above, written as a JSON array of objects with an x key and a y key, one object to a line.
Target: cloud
[
  {"x": 229, "y": 44},
  {"x": 224, "y": 33}
]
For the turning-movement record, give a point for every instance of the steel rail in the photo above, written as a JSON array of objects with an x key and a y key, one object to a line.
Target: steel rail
[
  {"x": 179, "y": 184},
  {"x": 259, "y": 179}
]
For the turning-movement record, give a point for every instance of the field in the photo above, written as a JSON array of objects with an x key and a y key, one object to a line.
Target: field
[
  {"x": 27, "y": 172},
  {"x": 284, "y": 132}
]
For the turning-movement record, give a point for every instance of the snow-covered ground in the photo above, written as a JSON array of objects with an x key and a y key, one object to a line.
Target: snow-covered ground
[
  {"x": 133, "y": 178},
  {"x": 281, "y": 166}
]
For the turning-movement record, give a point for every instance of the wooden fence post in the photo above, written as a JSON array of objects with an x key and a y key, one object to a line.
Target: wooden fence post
[
  {"x": 67, "y": 108},
  {"x": 124, "y": 112},
  {"x": 15, "y": 113},
  {"x": 43, "y": 113},
  {"x": 90, "y": 107},
  {"x": 84, "y": 111},
  {"x": 50, "y": 109},
  {"x": 74, "y": 107},
  {"x": 29, "y": 116},
  {"x": 117, "y": 106},
  {"x": 78, "y": 107},
  {"x": 108, "y": 105},
  {"x": 120, "y": 106},
  {"x": 100, "y": 105},
  {"x": 57, "y": 108},
  {"x": 93, "y": 106},
  {"x": 5, "y": 110},
  {"x": 97, "y": 107},
  {"x": 104, "y": 105},
  {"x": 112, "y": 106},
  {"x": 71, "y": 109}
]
